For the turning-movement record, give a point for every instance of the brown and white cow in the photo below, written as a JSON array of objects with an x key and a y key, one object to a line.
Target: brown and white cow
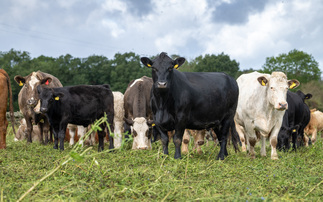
[
  {"x": 315, "y": 125},
  {"x": 261, "y": 107},
  {"x": 28, "y": 99},
  {"x": 5, "y": 87},
  {"x": 138, "y": 112}
]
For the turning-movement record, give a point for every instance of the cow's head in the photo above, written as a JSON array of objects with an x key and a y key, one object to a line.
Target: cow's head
[
  {"x": 284, "y": 136},
  {"x": 303, "y": 96},
  {"x": 30, "y": 84},
  {"x": 162, "y": 69},
  {"x": 277, "y": 86},
  {"x": 47, "y": 97},
  {"x": 141, "y": 133}
]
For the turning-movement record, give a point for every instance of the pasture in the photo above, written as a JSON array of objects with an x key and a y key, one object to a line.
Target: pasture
[{"x": 148, "y": 175}]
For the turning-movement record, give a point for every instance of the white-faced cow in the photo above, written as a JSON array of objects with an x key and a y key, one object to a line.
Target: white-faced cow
[
  {"x": 261, "y": 107},
  {"x": 80, "y": 105},
  {"x": 191, "y": 100},
  {"x": 138, "y": 112},
  {"x": 28, "y": 99},
  {"x": 4, "y": 92}
]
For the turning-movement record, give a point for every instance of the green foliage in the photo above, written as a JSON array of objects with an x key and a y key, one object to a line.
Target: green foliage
[
  {"x": 316, "y": 89},
  {"x": 215, "y": 63},
  {"x": 148, "y": 175},
  {"x": 296, "y": 64}
]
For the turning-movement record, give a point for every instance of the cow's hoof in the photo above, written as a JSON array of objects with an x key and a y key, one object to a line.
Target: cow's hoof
[{"x": 55, "y": 147}]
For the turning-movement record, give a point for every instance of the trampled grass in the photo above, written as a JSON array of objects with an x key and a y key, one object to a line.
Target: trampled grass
[{"x": 125, "y": 175}]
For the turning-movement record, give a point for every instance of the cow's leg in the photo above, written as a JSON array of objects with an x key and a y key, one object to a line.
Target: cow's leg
[
  {"x": 118, "y": 128},
  {"x": 306, "y": 139},
  {"x": 81, "y": 130},
  {"x": 46, "y": 128},
  {"x": 199, "y": 140},
  {"x": 164, "y": 139},
  {"x": 273, "y": 143},
  {"x": 263, "y": 146},
  {"x": 3, "y": 131},
  {"x": 101, "y": 135},
  {"x": 314, "y": 135},
  {"x": 61, "y": 134},
  {"x": 156, "y": 134},
  {"x": 177, "y": 139},
  {"x": 222, "y": 135},
  {"x": 110, "y": 116},
  {"x": 185, "y": 142},
  {"x": 242, "y": 137},
  {"x": 41, "y": 127},
  {"x": 71, "y": 131},
  {"x": 29, "y": 129},
  {"x": 294, "y": 140},
  {"x": 55, "y": 131}
]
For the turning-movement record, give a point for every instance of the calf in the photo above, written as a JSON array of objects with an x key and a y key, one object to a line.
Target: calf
[
  {"x": 191, "y": 100},
  {"x": 315, "y": 125},
  {"x": 4, "y": 92},
  {"x": 80, "y": 105},
  {"x": 261, "y": 107},
  {"x": 295, "y": 119},
  {"x": 138, "y": 112}
]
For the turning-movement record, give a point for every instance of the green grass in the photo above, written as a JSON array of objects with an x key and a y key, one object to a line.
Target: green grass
[{"x": 150, "y": 176}]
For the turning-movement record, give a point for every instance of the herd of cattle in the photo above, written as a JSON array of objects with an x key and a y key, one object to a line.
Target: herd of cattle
[{"x": 171, "y": 104}]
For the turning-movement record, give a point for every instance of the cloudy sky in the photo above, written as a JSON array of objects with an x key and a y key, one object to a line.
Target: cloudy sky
[{"x": 247, "y": 30}]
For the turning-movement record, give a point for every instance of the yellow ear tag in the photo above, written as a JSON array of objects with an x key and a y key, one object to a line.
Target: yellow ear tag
[
  {"x": 263, "y": 83},
  {"x": 42, "y": 121},
  {"x": 176, "y": 66},
  {"x": 153, "y": 125},
  {"x": 57, "y": 98},
  {"x": 148, "y": 65},
  {"x": 20, "y": 83},
  {"x": 294, "y": 130},
  {"x": 292, "y": 86}
]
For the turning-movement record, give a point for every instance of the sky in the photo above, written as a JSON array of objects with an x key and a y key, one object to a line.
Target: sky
[{"x": 248, "y": 31}]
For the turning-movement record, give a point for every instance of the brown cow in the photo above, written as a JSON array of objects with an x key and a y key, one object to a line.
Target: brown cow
[
  {"x": 5, "y": 89},
  {"x": 138, "y": 112},
  {"x": 315, "y": 125},
  {"x": 28, "y": 99}
]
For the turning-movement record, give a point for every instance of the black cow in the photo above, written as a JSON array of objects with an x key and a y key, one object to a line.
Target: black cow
[
  {"x": 80, "y": 105},
  {"x": 191, "y": 100},
  {"x": 295, "y": 119}
]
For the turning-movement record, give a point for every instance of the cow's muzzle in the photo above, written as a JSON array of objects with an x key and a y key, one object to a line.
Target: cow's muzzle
[
  {"x": 43, "y": 109},
  {"x": 162, "y": 84}
]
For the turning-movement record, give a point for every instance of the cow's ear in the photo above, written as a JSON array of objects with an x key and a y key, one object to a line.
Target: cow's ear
[
  {"x": 146, "y": 61},
  {"x": 178, "y": 62},
  {"x": 128, "y": 121},
  {"x": 308, "y": 96},
  {"x": 293, "y": 83},
  {"x": 20, "y": 80},
  {"x": 262, "y": 80},
  {"x": 46, "y": 81},
  {"x": 58, "y": 96}
]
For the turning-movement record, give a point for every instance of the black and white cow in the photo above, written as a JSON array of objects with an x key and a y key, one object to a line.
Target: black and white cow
[
  {"x": 295, "y": 119},
  {"x": 191, "y": 100},
  {"x": 80, "y": 105}
]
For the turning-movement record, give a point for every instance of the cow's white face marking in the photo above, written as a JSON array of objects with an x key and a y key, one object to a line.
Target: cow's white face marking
[
  {"x": 33, "y": 81},
  {"x": 141, "y": 140},
  {"x": 277, "y": 89},
  {"x": 135, "y": 82}
]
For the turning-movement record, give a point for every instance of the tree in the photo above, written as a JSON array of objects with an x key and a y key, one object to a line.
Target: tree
[
  {"x": 215, "y": 63},
  {"x": 296, "y": 64}
]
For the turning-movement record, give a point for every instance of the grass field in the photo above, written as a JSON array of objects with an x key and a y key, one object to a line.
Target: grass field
[{"x": 126, "y": 175}]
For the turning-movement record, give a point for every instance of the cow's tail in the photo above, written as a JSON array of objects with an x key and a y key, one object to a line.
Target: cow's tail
[
  {"x": 234, "y": 136},
  {"x": 12, "y": 116}
]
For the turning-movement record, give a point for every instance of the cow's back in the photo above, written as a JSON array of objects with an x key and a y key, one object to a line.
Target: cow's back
[{"x": 137, "y": 98}]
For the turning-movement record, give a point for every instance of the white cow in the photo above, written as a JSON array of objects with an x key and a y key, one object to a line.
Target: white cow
[
  {"x": 261, "y": 107},
  {"x": 118, "y": 118}
]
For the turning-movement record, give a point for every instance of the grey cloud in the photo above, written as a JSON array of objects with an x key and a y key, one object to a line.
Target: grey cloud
[{"x": 236, "y": 12}]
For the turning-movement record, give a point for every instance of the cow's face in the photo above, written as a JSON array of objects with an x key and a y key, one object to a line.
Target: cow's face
[
  {"x": 162, "y": 69},
  {"x": 303, "y": 96},
  {"x": 47, "y": 97},
  {"x": 30, "y": 84},
  {"x": 140, "y": 132},
  {"x": 277, "y": 86}
]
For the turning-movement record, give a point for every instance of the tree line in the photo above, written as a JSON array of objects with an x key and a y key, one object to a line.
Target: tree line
[{"x": 122, "y": 68}]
